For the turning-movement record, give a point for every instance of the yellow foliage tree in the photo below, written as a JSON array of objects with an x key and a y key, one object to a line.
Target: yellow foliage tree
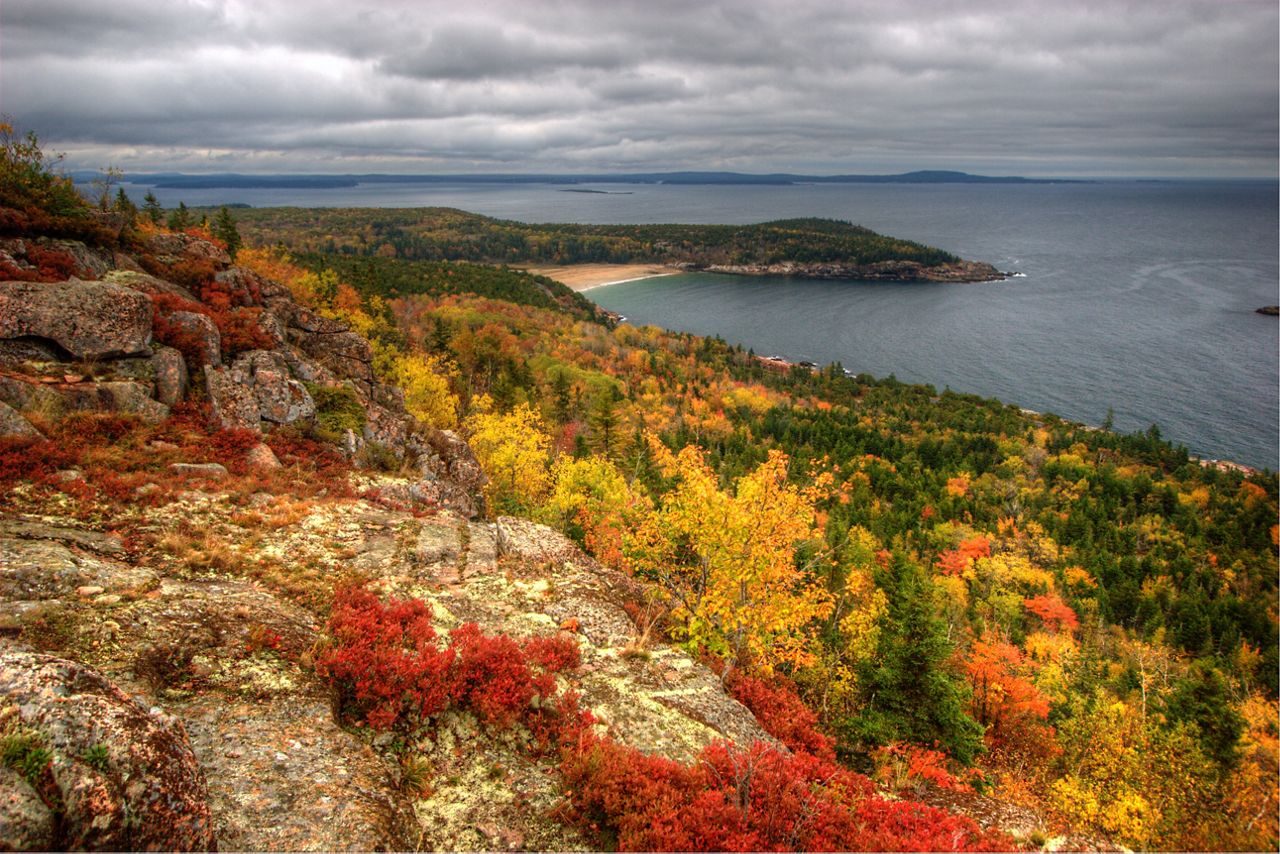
[
  {"x": 728, "y": 560},
  {"x": 1130, "y": 777},
  {"x": 425, "y": 380},
  {"x": 513, "y": 450},
  {"x": 593, "y": 501}
]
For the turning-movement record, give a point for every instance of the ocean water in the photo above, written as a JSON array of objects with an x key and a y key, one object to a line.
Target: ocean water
[{"x": 1135, "y": 297}]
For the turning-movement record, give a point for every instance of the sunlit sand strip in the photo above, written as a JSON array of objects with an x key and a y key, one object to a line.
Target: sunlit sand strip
[{"x": 584, "y": 277}]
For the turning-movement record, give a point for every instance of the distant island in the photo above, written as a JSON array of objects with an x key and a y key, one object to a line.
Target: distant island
[
  {"x": 230, "y": 180},
  {"x": 803, "y": 247}
]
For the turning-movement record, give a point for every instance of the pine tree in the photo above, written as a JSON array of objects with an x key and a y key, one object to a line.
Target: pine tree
[
  {"x": 224, "y": 228},
  {"x": 179, "y": 219},
  {"x": 151, "y": 207}
]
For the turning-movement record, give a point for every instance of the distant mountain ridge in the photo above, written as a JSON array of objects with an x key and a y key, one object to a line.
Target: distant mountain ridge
[{"x": 176, "y": 180}]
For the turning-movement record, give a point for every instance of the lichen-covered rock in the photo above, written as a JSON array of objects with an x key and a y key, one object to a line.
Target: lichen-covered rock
[
  {"x": 306, "y": 320},
  {"x": 243, "y": 285},
  {"x": 260, "y": 456},
  {"x": 345, "y": 353},
  {"x": 90, "y": 320},
  {"x": 172, "y": 248},
  {"x": 126, "y": 397},
  {"x": 30, "y": 397},
  {"x": 201, "y": 330},
  {"x": 456, "y": 461},
  {"x": 281, "y": 399},
  {"x": 147, "y": 283},
  {"x": 232, "y": 400},
  {"x": 210, "y": 470},
  {"x": 26, "y": 822},
  {"x": 14, "y": 425},
  {"x": 91, "y": 263},
  {"x": 171, "y": 375},
  {"x": 530, "y": 541},
  {"x": 27, "y": 355},
  {"x": 273, "y": 330},
  {"x": 126, "y": 778}
]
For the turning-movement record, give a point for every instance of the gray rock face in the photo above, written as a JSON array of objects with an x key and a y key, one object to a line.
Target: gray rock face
[
  {"x": 245, "y": 286},
  {"x": 171, "y": 375},
  {"x": 148, "y": 284},
  {"x": 211, "y": 470},
  {"x": 26, "y": 822},
  {"x": 90, "y": 320},
  {"x": 258, "y": 387},
  {"x": 126, "y": 397},
  {"x": 308, "y": 321},
  {"x": 13, "y": 424},
  {"x": 202, "y": 330},
  {"x": 281, "y": 399},
  {"x": 171, "y": 248},
  {"x": 234, "y": 403},
  {"x": 345, "y": 353},
  {"x": 127, "y": 778}
]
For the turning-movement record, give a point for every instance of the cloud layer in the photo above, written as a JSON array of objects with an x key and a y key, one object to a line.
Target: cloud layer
[{"x": 1178, "y": 87}]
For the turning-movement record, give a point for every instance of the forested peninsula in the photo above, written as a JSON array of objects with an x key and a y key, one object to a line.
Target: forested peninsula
[{"x": 807, "y": 248}]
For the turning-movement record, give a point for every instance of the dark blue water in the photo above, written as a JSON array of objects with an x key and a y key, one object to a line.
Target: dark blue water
[{"x": 1137, "y": 297}]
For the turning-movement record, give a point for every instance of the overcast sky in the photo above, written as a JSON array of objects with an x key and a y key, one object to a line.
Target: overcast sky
[{"x": 1053, "y": 88}]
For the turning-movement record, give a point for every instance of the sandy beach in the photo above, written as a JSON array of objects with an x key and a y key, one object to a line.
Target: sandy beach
[{"x": 584, "y": 277}]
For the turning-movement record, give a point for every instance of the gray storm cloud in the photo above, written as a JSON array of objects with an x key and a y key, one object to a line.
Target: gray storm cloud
[{"x": 1181, "y": 87}]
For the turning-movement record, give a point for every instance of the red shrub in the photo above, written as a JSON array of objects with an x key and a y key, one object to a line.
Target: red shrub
[
  {"x": 385, "y": 657},
  {"x": 46, "y": 265},
  {"x": 753, "y": 799},
  {"x": 554, "y": 654},
  {"x": 25, "y": 459},
  {"x": 782, "y": 713},
  {"x": 493, "y": 678}
]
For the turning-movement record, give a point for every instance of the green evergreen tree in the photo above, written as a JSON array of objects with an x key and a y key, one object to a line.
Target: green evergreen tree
[
  {"x": 151, "y": 207},
  {"x": 180, "y": 218},
  {"x": 224, "y": 228},
  {"x": 908, "y": 692}
]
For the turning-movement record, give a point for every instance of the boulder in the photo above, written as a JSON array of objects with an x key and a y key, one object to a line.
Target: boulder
[
  {"x": 233, "y": 401},
  {"x": 308, "y": 321},
  {"x": 148, "y": 284},
  {"x": 459, "y": 464},
  {"x": 210, "y": 470},
  {"x": 199, "y": 329},
  {"x": 90, "y": 320},
  {"x": 281, "y": 399},
  {"x": 345, "y": 353},
  {"x": 243, "y": 285},
  {"x": 260, "y": 456},
  {"x": 126, "y": 778},
  {"x": 26, "y": 355},
  {"x": 132, "y": 398},
  {"x": 26, "y": 822},
  {"x": 173, "y": 248},
  {"x": 14, "y": 425},
  {"x": 171, "y": 375}
]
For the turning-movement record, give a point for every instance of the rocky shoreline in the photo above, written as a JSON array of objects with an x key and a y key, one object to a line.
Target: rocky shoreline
[{"x": 883, "y": 271}]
